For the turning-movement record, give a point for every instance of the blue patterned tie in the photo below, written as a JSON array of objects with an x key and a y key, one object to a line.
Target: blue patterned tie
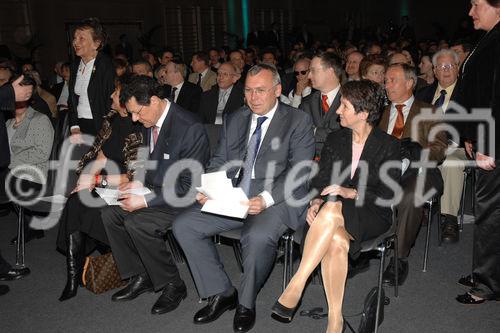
[
  {"x": 440, "y": 101},
  {"x": 251, "y": 155}
]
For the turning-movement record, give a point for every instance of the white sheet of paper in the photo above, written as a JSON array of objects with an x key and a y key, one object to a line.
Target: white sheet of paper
[
  {"x": 224, "y": 199},
  {"x": 110, "y": 196}
]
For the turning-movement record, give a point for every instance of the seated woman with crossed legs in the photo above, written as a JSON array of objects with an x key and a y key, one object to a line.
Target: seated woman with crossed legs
[{"x": 349, "y": 210}]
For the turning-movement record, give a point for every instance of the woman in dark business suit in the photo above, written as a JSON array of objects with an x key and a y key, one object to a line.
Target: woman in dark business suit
[
  {"x": 480, "y": 88},
  {"x": 91, "y": 80},
  {"x": 347, "y": 212}
]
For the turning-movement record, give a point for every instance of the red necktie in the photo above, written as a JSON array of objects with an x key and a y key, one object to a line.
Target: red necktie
[
  {"x": 324, "y": 103},
  {"x": 155, "y": 136},
  {"x": 397, "y": 131}
]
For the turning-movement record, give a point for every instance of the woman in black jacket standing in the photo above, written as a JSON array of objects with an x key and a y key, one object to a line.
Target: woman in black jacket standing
[
  {"x": 91, "y": 80},
  {"x": 480, "y": 88}
]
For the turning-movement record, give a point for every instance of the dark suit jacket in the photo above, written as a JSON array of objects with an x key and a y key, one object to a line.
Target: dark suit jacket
[
  {"x": 324, "y": 124},
  {"x": 437, "y": 146},
  {"x": 210, "y": 100},
  {"x": 480, "y": 82},
  {"x": 426, "y": 94},
  {"x": 4, "y": 145},
  {"x": 189, "y": 96},
  {"x": 182, "y": 136},
  {"x": 291, "y": 129},
  {"x": 100, "y": 88},
  {"x": 379, "y": 148},
  {"x": 56, "y": 90}
]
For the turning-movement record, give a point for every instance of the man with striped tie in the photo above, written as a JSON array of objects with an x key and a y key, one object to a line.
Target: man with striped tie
[
  {"x": 397, "y": 120},
  {"x": 270, "y": 138}
]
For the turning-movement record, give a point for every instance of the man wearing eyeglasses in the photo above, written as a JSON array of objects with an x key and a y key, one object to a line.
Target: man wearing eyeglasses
[
  {"x": 270, "y": 138},
  {"x": 446, "y": 64},
  {"x": 302, "y": 82},
  {"x": 225, "y": 97},
  {"x": 171, "y": 134}
]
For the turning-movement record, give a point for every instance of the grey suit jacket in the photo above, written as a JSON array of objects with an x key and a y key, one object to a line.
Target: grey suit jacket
[
  {"x": 209, "y": 80},
  {"x": 31, "y": 145},
  {"x": 324, "y": 123},
  {"x": 288, "y": 141}
]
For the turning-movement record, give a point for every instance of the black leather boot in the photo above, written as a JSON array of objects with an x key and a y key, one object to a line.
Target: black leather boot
[{"x": 74, "y": 262}]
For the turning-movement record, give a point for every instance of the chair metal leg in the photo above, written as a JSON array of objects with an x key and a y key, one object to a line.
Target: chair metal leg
[
  {"x": 237, "y": 254},
  {"x": 439, "y": 223},
  {"x": 379, "y": 290},
  {"x": 217, "y": 239},
  {"x": 290, "y": 258},
  {"x": 286, "y": 260},
  {"x": 462, "y": 200},
  {"x": 174, "y": 248},
  {"x": 20, "y": 250},
  {"x": 396, "y": 263},
  {"x": 427, "y": 237}
]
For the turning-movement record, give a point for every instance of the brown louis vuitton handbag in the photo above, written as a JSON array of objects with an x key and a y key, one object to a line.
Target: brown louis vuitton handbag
[{"x": 100, "y": 274}]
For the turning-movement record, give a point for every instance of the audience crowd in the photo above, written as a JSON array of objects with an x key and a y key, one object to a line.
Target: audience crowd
[{"x": 359, "y": 103}]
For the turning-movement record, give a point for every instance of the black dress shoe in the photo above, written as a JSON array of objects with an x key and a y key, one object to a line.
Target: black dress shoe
[
  {"x": 449, "y": 232},
  {"x": 282, "y": 313},
  {"x": 29, "y": 236},
  {"x": 389, "y": 276},
  {"x": 216, "y": 306},
  {"x": 244, "y": 319},
  {"x": 4, "y": 289},
  {"x": 467, "y": 281},
  {"x": 139, "y": 284},
  {"x": 170, "y": 298},
  {"x": 14, "y": 274}
]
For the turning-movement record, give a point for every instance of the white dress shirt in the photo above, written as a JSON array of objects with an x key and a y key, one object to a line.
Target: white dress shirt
[
  {"x": 393, "y": 115},
  {"x": 179, "y": 87},
  {"x": 331, "y": 95},
  {"x": 159, "y": 124},
  {"x": 81, "y": 85}
]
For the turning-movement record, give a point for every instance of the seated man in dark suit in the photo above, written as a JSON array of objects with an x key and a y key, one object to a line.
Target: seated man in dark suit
[
  {"x": 326, "y": 74},
  {"x": 270, "y": 123},
  {"x": 172, "y": 134},
  {"x": 183, "y": 93},
  {"x": 397, "y": 120},
  {"x": 446, "y": 65},
  {"x": 225, "y": 97}
]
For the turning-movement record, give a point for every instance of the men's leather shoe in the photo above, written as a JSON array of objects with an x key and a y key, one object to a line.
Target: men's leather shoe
[
  {"x": 29, "y": 236},
  {"x": 170, "y": 298},
  {"x": 244, "y": 319},
  {"x": 389, "y": 276},
  {"x": 449, "y": 232},
  {"x": 14, "y": 274},
  {"x": 4, "y": 289},
  {"x": 139, "y": 284},
  {"x": 216, "y": 306}
]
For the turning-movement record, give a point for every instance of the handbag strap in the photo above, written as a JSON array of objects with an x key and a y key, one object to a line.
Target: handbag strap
[{"x": 85, "y": 267}]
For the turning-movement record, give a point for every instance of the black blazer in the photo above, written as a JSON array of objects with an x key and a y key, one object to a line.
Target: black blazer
[
  {"x": 100, "y": 88},
  {"x": 480, "y": 82},
  {"x": 182, "y": 136},
  {"x": 189, "y": 96},
  {"x": 4, "y": 145},
  {"x": 210, "y": 99},
  {"x": 379, "y": 148},
  {"x": 324, "y": 124},
  {"x": 426, "y": 94},
  {"x": 56, "y": 90}
]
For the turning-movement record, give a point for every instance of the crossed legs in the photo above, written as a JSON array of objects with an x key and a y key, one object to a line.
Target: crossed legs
[{"x": 327, "y": 242}]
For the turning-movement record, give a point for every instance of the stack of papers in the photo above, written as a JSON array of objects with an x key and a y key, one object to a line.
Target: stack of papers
[
  {"x": 223, "y": 198},
  {"x": 111, "y": 196}
]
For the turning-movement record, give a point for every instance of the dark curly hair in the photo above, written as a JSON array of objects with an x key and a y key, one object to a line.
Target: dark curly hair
[{"x": 365, "y": 96}]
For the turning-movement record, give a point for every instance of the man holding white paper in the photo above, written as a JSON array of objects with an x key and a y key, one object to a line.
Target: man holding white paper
[
  {"x": 270, "y": 138},
  {"x": 172, "y": 134}
]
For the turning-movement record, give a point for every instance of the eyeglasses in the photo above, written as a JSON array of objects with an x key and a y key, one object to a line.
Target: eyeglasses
[
  {"x": 301, "y": 72},
  {"x": 445, "y": 67},
  {"x": 225, "y": 74},
  {"x": 258, "y": 91}
]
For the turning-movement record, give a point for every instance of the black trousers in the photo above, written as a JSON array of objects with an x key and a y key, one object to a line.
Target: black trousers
[
  {"x": 486, "y": 243},
  {"x": 135, "y": 245}
]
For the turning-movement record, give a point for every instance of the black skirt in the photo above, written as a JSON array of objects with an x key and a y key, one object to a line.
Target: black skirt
[{"x": 78, "y": 216}]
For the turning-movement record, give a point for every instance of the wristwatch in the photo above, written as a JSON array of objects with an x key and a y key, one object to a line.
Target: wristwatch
[{"x": 104, "y": 181}]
